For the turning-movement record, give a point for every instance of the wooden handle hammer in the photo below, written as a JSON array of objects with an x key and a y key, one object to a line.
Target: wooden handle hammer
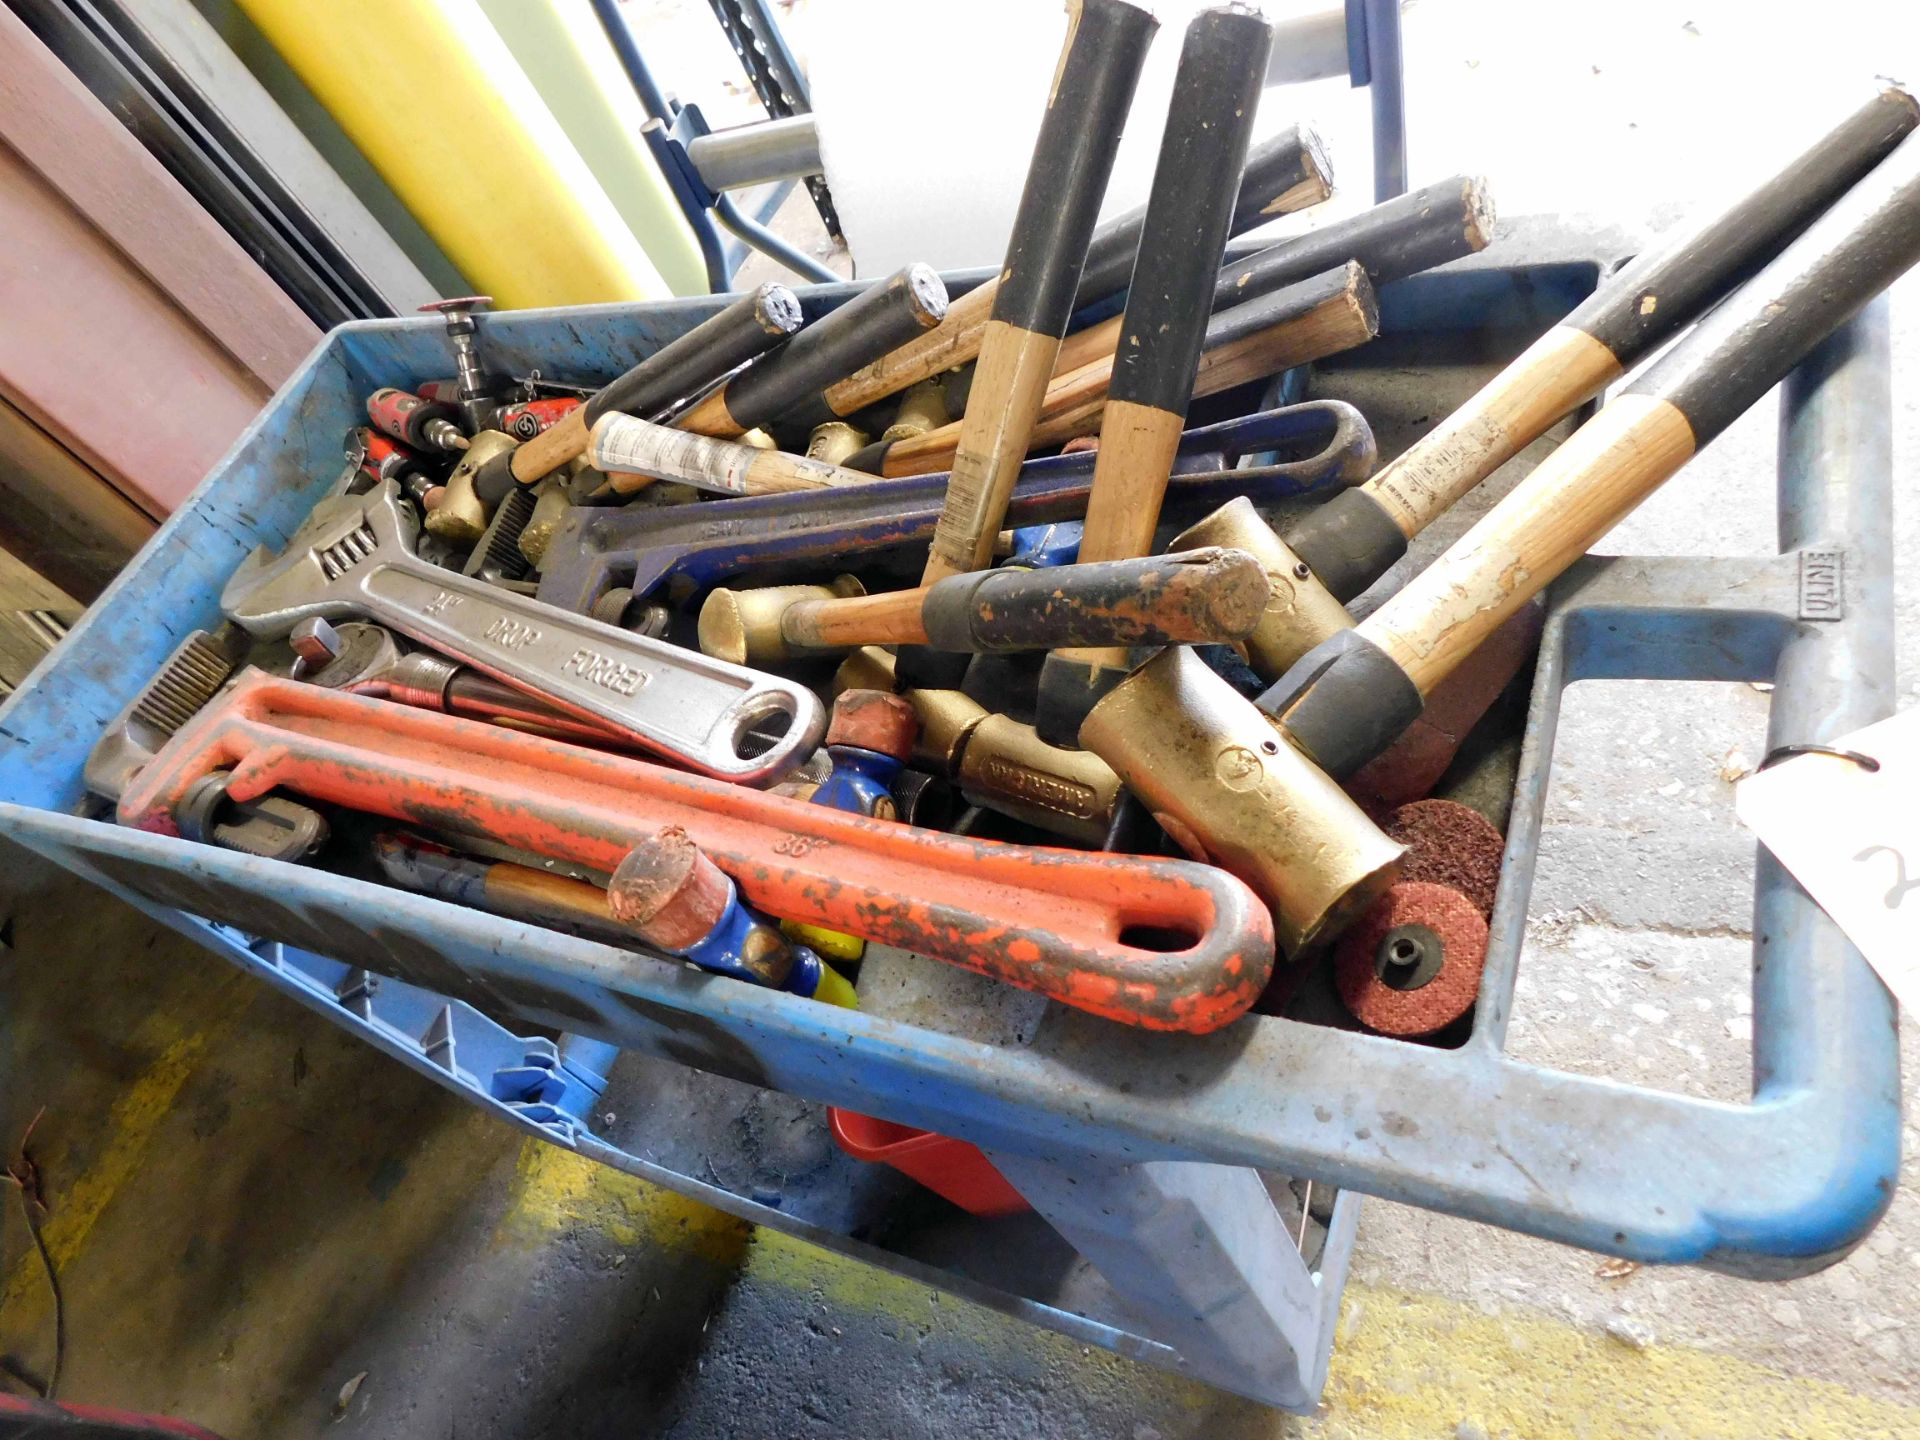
[
  {"x": 1347, "y": 699},
  {"x": 1209, "y": 121},
  {"x": 1353, "y": 540}
]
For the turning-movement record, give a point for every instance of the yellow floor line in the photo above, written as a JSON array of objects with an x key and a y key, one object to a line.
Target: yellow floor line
[
  {"x": 75, "y": 1205},
  {"x": 556, "y": 1190},
  {"x": 1414, "y": 1366},
  {"x": 1407, "y": 1366}
]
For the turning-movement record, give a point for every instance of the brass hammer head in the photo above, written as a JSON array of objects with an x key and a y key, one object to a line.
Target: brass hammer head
[{"x": 1227, "y": 786}]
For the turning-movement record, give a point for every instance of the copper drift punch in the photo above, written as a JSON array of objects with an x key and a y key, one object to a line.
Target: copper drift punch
[{"x": 1063, "y": 923}]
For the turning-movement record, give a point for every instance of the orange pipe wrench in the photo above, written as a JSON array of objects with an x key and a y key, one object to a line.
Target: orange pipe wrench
[{"x": 1054, "y": 921}]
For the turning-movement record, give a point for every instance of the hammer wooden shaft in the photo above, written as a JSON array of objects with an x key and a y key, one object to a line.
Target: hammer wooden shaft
[
  {"x": 791, "y": 381},
  {"x": 1282, "y": 175},
  {"x": 1318, "y": 317},
  {"x": 1642, "y": 437},
  {"x": 1072, "y": 158},
  {"x": 1197, "y": 597},
  {"x": 1209, "y": 121},
  {"x": 1353, "y": 541}
]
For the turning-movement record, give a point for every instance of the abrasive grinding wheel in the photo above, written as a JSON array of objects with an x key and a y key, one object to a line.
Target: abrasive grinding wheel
[
  {"x": 1452, "y": 845},
  {"x": 1411, "y": 965}
]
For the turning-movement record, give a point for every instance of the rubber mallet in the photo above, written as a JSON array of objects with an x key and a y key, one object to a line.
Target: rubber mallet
[{"x": 1222, "y": 68}]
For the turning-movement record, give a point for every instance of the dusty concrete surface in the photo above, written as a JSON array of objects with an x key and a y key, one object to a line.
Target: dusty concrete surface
[{"x": 249, "y": 1210}]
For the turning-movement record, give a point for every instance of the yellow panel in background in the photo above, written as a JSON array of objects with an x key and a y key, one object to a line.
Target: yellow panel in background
[
  {"x": 567, "y": 56},
  {"x": 431, "y": 95}
]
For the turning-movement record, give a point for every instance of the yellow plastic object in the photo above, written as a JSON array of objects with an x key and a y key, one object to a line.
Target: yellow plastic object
[
  {"x": 834, "y": 989},
  {"x": 565, "y": 53},
  {"x": 432, "y": 96},
  {"x": 833, "y": 944}
]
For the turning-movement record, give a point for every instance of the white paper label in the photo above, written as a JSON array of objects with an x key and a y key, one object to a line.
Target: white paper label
[
  {"x": 622, "y": 444},
  {"x": 1851, "y": 836}
]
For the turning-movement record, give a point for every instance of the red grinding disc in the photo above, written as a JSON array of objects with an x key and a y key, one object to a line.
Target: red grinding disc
[
  {"x": 1411, "y": 965},
  {"x": 1452, "y": 845}
]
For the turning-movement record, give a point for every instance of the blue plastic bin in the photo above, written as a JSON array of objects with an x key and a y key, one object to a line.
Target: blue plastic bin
[{"x": 1150, "y": 1123}]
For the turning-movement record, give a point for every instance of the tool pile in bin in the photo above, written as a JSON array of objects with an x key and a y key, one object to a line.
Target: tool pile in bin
[{"x": 1077, "y": 714}]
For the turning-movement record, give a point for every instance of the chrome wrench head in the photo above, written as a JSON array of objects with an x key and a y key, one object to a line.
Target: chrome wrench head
[
  {"x": 269, "y": 594},
  {"x": 354, "y": 558}
]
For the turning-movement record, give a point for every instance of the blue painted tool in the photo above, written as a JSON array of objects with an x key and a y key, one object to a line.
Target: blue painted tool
[
  {"x": 1040, "y": 547},
  {"x": 676, "y": 899},
  {"x": 869, "y": 739},
  {"x": 640, "y": 548}
]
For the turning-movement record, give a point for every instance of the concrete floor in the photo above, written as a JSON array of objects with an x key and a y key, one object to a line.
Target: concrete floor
[{"x": 249, "y": 1210}]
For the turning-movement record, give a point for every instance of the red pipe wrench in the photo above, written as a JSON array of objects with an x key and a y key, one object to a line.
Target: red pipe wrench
[{"x": 1058, "y": 922}]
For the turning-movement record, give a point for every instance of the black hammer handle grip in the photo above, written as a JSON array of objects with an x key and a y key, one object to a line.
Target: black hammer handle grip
[
  {"x": 880, "y": 318},
  {"x": 1353, "y": 540}
]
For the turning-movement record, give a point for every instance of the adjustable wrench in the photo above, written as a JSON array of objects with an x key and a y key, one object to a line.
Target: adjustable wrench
[
  {"x": 1053, "y": 921},
  {"x": 354, "y": 557}
]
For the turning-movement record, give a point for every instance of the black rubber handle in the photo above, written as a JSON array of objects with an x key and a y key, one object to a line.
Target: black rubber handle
[
  {"x": 1663, "y": 290},
  {"x": 1072, "y": 160},
  {"x": 1223, "y": 67},
  {"x": 1274, "y": 168},
  {"x": 1406, "y": 235},
  {"x": 881, "y": 318},
  {"x": 750, "y": 326}
]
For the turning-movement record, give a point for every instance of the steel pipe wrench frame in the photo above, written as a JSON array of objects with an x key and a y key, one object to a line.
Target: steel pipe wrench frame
[
  {"x": 1054, "y": 921},
  {"x": 641, "y": 548}
]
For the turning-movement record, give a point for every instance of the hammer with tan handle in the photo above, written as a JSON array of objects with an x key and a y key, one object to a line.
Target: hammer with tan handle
[
  {"x": 749, "y": 326},
  {"x": 1198, "y": 597},
  {"x": 1349, "y": 697},
  {"x": 1260, "y": 799},
  {"x": 1287, "y": 173},
  {"x": 1072, "y": 158},
  {"x": 1338, "y": 550},
  {"x": 1222, "y": 69},
  {"x": 1353, "y": 540}
]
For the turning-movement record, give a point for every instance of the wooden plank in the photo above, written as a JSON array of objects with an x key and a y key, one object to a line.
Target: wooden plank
[
  {"x": 75, "y": 145},
  {"x": 103, "y": 360},
  {"x": 59, "y": 517}
]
